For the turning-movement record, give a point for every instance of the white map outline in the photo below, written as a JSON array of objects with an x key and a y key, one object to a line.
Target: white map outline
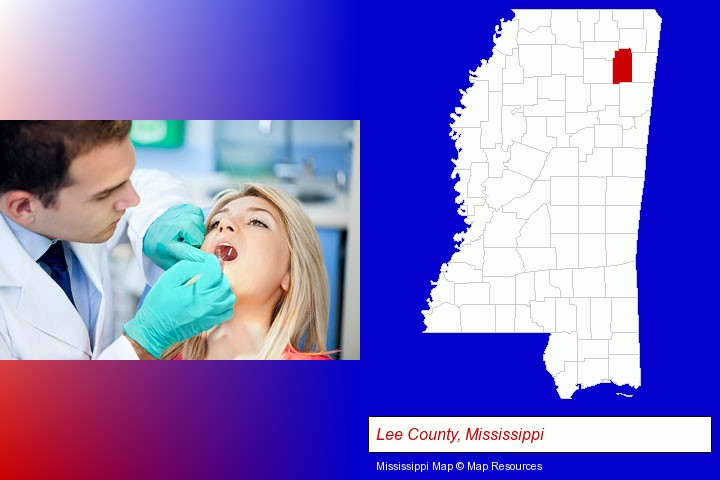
[{"x": 550, "y": 172}]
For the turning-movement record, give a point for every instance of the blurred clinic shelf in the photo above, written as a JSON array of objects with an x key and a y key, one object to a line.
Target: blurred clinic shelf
[{"x": 326, "y": 207}]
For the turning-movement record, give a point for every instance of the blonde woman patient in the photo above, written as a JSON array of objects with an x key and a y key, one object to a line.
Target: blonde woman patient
[{"x": 271, "y": 256}]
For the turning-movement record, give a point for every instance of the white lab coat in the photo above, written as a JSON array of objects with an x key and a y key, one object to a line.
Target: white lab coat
[{"x": 37, "y": 320}]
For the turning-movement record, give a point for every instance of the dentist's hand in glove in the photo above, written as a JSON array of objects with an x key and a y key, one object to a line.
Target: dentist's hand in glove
[
  {"x": 173, "y": 312},
  {"x": 175, "y": 235}
]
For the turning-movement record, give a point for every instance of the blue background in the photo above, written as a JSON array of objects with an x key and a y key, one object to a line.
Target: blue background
[{"x": 397, "y": 68}]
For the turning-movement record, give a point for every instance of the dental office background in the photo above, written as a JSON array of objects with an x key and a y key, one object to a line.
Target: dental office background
[{"x": 315, "y": 161}]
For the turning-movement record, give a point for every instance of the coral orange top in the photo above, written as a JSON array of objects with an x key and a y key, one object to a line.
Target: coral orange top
[{"x": 289, "y": 354}]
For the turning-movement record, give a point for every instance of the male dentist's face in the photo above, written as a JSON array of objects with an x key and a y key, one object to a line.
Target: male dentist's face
[{"x": 89, "y": 209}]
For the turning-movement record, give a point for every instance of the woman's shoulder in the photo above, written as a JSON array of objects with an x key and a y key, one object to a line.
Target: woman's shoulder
[{"x": 291, "y": 353}]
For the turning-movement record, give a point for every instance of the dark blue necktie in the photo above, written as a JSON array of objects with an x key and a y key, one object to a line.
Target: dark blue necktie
[{"x": 54, "y": 258}]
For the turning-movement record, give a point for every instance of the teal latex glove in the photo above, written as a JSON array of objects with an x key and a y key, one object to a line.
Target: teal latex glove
[
  {"x": 173, "y": 312},
  {"x": 175, "y": 235}
]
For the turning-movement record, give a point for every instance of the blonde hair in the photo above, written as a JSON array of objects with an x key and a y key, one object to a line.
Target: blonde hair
[{"x": 300, "y": 317}]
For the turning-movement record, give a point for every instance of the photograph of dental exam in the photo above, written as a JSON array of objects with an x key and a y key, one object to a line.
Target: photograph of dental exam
[{"x": 170, "y": 239}]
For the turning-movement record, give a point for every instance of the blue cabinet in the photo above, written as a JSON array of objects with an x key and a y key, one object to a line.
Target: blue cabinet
[{"x": 332, "y": 243}]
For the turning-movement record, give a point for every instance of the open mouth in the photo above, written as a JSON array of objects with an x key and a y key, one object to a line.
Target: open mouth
[{"x": 225, "y": 252}]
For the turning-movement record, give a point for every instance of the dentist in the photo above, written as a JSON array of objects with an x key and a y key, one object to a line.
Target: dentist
[{"x": 68, "y": 196}]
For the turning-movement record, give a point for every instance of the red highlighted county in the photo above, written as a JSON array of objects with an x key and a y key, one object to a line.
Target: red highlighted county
[{"x": 622, "y": 65}]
